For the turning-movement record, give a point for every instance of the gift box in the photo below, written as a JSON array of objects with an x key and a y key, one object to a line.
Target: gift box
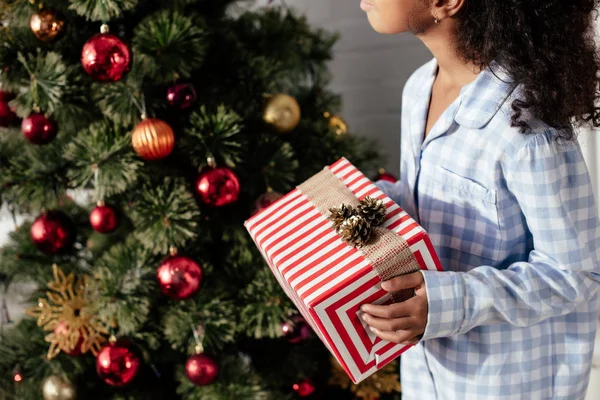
[{"x": 326, "y": 275}]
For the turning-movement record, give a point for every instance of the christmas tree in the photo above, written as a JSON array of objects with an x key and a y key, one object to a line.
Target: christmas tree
[{"x": 170, "y": 123}]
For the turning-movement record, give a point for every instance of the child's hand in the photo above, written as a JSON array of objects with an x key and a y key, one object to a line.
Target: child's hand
[{"x": 400, "y": 322}]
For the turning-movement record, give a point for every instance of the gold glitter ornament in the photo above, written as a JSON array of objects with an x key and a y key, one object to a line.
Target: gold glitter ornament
[
  {"x": 66, "y": 303},
  {"x": 282, "y": 112},
  {"x": 386, "y": 380}
]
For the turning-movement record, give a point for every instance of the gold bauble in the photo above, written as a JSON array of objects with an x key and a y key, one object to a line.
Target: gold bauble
[
  {"x": 282, "y": 112},
  {"x": 55, "y": 388},
  {"x": 46, "y": 25},
  {"x": 153, "y": 139},
  {"x": 338, "y": 125}
]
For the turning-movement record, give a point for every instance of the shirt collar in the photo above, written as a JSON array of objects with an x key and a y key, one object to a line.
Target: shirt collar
[{"x": 481, "y": 99}]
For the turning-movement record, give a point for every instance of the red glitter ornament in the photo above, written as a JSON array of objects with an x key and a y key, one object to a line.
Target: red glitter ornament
[
  {"x": 265, "y": 200},
  {"x": 179, "y": 277},
  {"x": 105, "y": 57},
  {"x": 296, "y": 330},
  {"x": 39, "y": 129},
  {"x": 201, "y": 370},
  {"x": 7, "y": 114},
  {"x": 118, "y": 363},
  {"x": 304, "y": 388},
  {"x": 385, "y": 176},
  {"x": 218, "y": 187},
  {"x": 104, "y": 219},
  {"x": 52, "y": 232},
  {"x": 62, "y": 329},
  {"x": 181, "y": 96}
]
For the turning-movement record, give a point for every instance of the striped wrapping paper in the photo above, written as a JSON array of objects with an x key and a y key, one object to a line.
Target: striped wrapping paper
[{"x": 327, "y": 279}]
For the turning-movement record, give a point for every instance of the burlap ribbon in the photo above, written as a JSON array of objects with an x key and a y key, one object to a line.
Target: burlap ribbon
[{"x": 387, "y": 251}]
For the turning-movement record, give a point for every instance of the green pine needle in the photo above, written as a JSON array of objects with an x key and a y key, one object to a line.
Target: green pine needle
[
  {"x": 45, "y": 85},
  {"x": 165, "y": 214},
  {"x": 170, "y": 45},
  {"x": 122, "y": 283},
  {"x": 212, "y": 134},
  {"x": 101, "y": 10},
  {"x": 106, "y": 147}
]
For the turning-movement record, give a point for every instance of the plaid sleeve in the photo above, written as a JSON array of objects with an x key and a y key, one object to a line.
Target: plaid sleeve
[
  {"x": 552, "y": 186},
  {"x": 393, "y": 190}
]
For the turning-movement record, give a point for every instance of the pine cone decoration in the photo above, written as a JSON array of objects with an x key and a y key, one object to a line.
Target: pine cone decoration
[
  {"x": 339, "y": 214},
  {"x": 373, "y": 210},
  {"x": 356, "y": 231}
]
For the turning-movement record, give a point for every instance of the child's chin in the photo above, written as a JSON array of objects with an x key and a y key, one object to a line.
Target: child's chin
[{"x": 382, "y": 27}]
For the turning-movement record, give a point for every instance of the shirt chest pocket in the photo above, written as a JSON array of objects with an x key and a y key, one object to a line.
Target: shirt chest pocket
[{"x": 463, "y": 214}]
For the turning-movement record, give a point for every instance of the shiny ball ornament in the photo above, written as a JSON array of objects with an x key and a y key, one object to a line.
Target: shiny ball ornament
[
  {"x": 296, "y": 330},
  {"x": 46, "y": 25},
  {"x": 179, "y": 277},
  {"x": 38, "y": 129},
  {"x": 105, "y": 57},
  {"x": 304, "y": 388},
  {"x": 282, "y": 112},
  {"x": 265, "y": 200},
  {"x": 218, "y": 187},
  {"x": 55, "y": 388},
  {"x": 104, "y": 219},
  {"x": 62, "y": 329},
  {"x": 118, "y": 363},
  {"x": 338, "y": 125},
  {"x": 52, "y": 232},
  {"x": 7, "y": 113},
  {"x": 153, "y": 139},
  {"x": 382, "y": 175},
  {"x": 201, "y": 370},
  {"x": 181, "y": 96}
]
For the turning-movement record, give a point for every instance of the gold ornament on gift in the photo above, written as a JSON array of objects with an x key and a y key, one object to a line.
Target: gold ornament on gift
[
  {"x": 386, "y": 380},
  {"x": 153, "y": 139},
  {"x": 355, "y": 224},
  {"x": 56, "y": 388},
  {"x": 66, "y": 303},
  {"x": 282, "y": 112},
  {"x": 46, "y": 25},
  {"x": 337, "y": 124}
]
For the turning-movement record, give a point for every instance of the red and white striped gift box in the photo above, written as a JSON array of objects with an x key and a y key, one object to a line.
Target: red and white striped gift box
[{"x": 327, "y": 279}]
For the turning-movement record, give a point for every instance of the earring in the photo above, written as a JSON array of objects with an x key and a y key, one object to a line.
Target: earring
[{"x": 436, "y": 20}]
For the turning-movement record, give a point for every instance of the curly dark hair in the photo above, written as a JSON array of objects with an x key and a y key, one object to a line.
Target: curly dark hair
[{"x": 547, "y": 46}]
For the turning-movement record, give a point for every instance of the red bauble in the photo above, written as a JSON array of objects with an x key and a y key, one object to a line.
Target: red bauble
[
  {"x": 265, "y": 200},
  {"x": 181, "y": 96},
  {"x": 201, "y": 370},
  {"x": 218, "y": 186},
  {"x": 296, "y": 330},
  {"x": 118, "y": 364},
  {"x": 179, "y": 277},
  {"x": 304, "y": 388},
  {"x": 7, "y": 114},
  {"x": 52, "y": 232},
  {"x": 105, "y": 57},
  {"x": 38, "y": 129},
  {"x": 62, "y": 329},
  {"x": 385, "y": 176},
  {"x": 103, "y": 219}
]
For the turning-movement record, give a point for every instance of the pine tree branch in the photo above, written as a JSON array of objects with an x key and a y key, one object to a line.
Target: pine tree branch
[
  {"x": 165, "y": 214},
  {"x": 170, "y": 45},
  {"x": 103, "y": 149},
  {"x": 116, "y": 100},
  {"x": 122, "y": 284},
  {"x": 214, "y": 135},
  {"x": 102, "y": 10}
]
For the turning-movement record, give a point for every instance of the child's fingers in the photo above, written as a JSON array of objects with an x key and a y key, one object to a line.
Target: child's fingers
[
  {"x": 396, "y": 310},
  {"x": 384, "y": 324},
  {"x": 396, "y": 337},
  {"x": 408, "y": 281}
]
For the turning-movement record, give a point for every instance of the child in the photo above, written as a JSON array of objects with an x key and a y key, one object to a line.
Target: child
[{"x": 491, "y": 168}]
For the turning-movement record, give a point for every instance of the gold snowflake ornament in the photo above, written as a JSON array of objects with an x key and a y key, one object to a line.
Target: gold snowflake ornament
[
  {"x": 386, "y": 380},
  {"x": 66, "y": 314}
]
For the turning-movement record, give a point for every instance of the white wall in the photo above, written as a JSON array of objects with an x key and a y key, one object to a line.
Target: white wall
[{"x": 369, "y": 71}]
